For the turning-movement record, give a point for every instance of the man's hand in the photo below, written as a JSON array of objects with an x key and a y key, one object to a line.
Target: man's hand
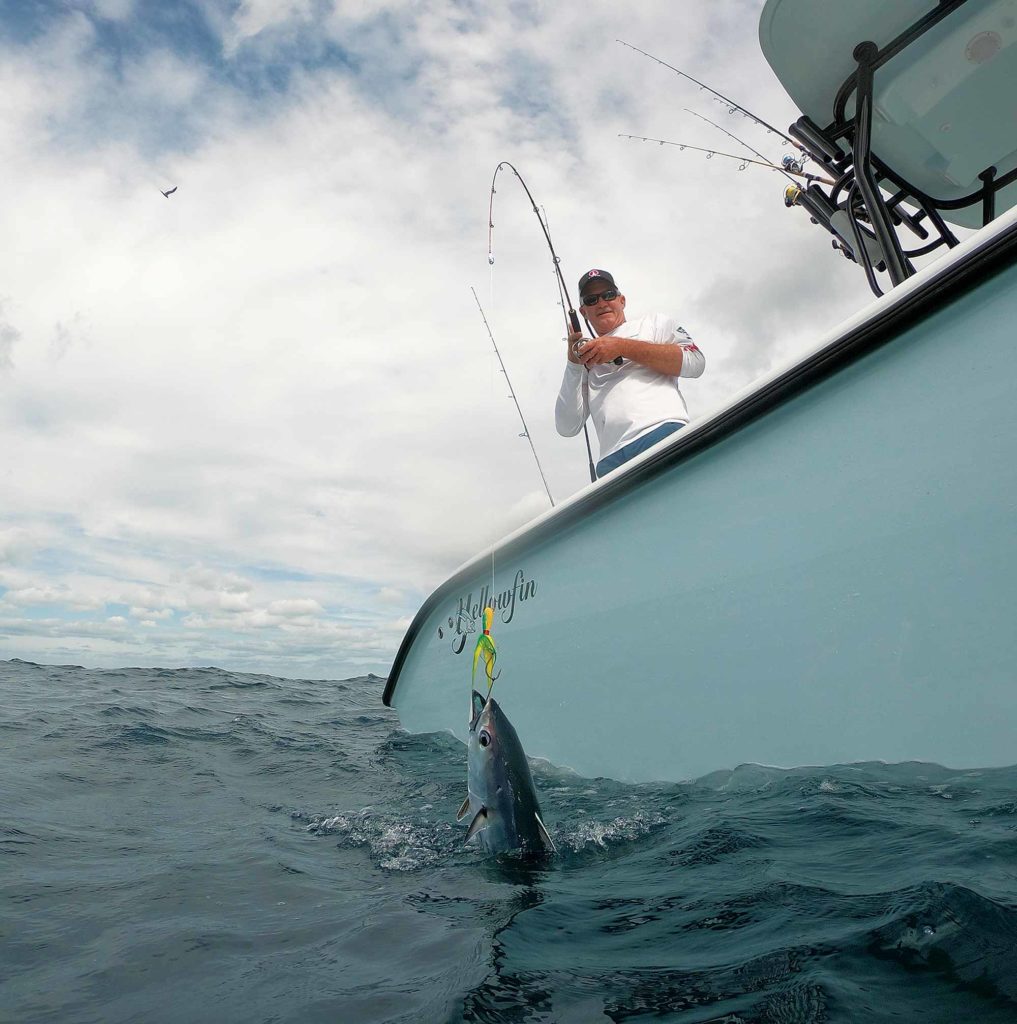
[
  {"x": 601, "y": 350},
  {"x": 574, "y": 340}
]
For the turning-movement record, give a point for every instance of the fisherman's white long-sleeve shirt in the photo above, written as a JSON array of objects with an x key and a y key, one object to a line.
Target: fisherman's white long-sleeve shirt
[{"x": 630, "y": 400}]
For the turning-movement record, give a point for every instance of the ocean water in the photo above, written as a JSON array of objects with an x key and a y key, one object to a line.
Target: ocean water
[{"x": 198, "y": 845}]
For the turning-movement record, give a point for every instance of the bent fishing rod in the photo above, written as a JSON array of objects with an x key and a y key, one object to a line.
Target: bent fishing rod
[
  {"x": 571, "y": 316},
  {"x": 512, "y": 395}
]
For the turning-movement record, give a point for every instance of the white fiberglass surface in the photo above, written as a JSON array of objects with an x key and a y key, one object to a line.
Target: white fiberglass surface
[{"x": 834, "y": 582}]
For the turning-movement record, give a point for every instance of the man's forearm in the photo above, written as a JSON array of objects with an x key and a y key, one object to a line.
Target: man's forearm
[
  {"x": 665, "y": 359},
  {"x": 673, "y": 359}
]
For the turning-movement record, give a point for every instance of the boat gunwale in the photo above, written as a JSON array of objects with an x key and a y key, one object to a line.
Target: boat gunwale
[{"x": 915, "y": 300}]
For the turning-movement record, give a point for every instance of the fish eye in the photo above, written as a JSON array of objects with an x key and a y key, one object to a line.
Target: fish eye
[{"x": 485, "y": 738}]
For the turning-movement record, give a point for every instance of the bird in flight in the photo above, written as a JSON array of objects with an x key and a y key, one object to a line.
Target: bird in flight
[{"x": 170, "y": 192}]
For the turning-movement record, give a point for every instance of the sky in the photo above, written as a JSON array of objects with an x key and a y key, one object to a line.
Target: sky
[{"x": 255, "y": 423}]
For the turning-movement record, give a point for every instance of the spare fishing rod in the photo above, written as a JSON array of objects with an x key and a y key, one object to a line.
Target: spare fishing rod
[
  {"x": 512, "y": 395},
  {"x": 571, "y": 317},
  {"x": 789, "y": 165},
  {"x": 743, "y": 160},
  {"x": 732, "y": 106}
]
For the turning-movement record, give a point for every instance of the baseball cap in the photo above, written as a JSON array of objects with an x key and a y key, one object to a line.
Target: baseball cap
[{"x": 596, "y": 275}]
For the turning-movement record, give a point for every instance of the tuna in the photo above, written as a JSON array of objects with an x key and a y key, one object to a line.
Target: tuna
[{"x": 502, "y": 803}]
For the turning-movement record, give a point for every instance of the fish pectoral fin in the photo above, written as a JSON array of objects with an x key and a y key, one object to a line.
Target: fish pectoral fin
[
  {"x": 478, "y": 824},
  {"x": 464, "y": 809},
  {"x": 544, "y": 834}
]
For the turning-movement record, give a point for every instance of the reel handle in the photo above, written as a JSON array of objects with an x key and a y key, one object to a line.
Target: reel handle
[{"x": 574, "y": 320}]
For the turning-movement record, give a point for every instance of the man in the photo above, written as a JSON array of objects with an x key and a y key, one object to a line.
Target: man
[{"x": 637, "y": 403}]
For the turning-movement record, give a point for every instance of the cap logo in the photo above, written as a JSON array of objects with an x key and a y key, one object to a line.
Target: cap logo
[{"x": 593, "y": 273}]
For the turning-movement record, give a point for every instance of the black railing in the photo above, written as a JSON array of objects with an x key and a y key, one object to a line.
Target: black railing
[{"x": 844, "y": 150}]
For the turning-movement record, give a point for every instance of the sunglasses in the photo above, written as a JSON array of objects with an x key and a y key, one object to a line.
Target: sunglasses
[{"x": 607, "y": 296}]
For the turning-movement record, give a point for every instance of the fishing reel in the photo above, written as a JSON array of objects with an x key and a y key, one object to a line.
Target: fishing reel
[{"x": 791, "y": 194}]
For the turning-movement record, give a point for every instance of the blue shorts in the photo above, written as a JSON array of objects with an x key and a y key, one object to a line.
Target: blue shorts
[{"x": 633, "y": 448}]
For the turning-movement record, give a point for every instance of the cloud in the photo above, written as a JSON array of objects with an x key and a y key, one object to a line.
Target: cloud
[
  {"x": 8, "y": 336},
  {"x": 16, "y": 543},
  {"x": 149, "y": 616},
  {"x": 294, "y": 608},
  {"x": 253, "y": 17},
  {"x": 113, "y": 10}
]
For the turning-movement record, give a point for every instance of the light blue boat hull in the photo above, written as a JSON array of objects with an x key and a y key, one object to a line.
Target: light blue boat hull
[{"x": 826, "y": 572}]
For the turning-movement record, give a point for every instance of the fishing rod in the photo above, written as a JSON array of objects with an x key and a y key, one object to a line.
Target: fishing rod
[
  {"x": 512, "y": 395},
  {"x": 732, "y": 106},
  {"x": 618, "y": 359},
  {"x": 787, "y": 167},
  {"x": 571, "y": 317},
  {"x": 744, "y": 160}
]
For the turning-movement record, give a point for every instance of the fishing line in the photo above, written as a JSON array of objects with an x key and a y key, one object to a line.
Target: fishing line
[
  {"x": 732, "y": 106},
  {"x": 484, "y": 648},
  {"x": 571, "y": 317}
]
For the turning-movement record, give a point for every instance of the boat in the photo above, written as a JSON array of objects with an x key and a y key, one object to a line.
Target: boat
[{"x": 824, "y": 570}]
